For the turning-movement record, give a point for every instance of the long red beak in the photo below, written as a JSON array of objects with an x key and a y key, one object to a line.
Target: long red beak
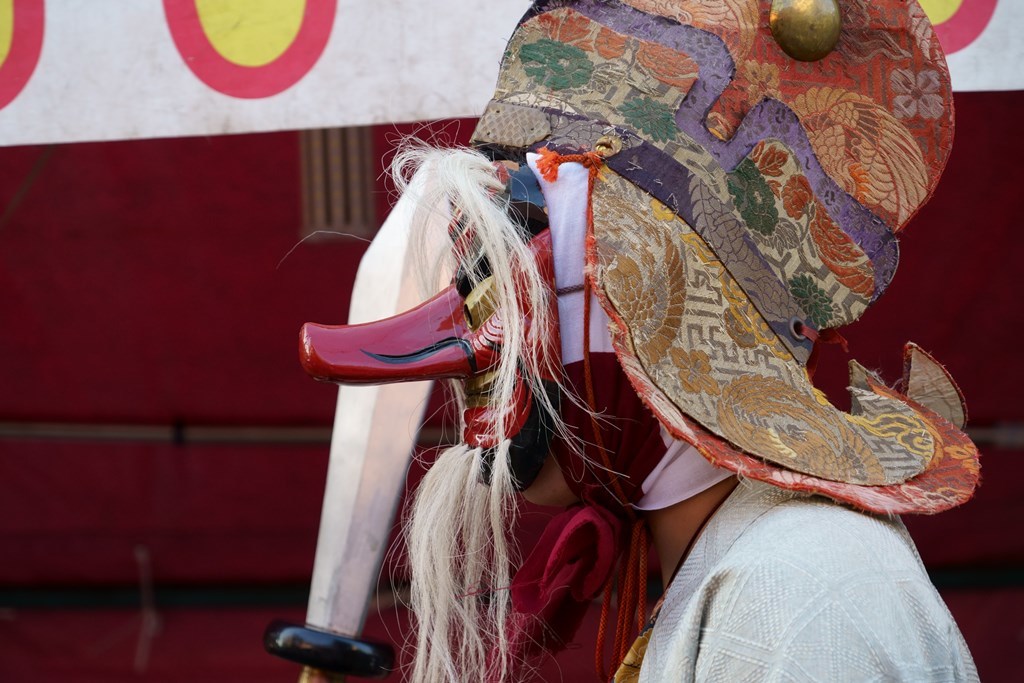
[{"x": 427, "y": 342}]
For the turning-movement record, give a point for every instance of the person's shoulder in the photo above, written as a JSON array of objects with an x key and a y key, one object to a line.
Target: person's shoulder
[
  {"x": 811, "y": 586},
  {"x": 799, "y": 588},
  {"x": 820, "y": 537}
]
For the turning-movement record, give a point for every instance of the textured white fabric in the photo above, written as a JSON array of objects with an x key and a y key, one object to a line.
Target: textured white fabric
[
  {"x": 567, "y": 199},
  {"x": 681, "y": 474},
  {"x": 786, "y": 587}
]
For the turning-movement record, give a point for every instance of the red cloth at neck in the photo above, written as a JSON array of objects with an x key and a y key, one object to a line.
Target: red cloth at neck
[
  {"x": 580, "y": 548},
  {"x": 566, "y": 570}
]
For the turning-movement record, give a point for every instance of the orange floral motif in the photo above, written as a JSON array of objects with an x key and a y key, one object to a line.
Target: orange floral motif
[
  {"x": 610, "y": 44},
  {"x": 570, "y": 27},
  {"x": 796, "y": 195},
  {"x": 770, "y": 159},
  {"x": 695, "y": 371},
  {"x": 667, "y": 65},
  {"x": 762, "y": 79},
  {"x": 841, "y": 254}
]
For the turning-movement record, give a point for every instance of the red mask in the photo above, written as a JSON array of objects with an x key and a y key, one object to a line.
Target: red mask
[{"x": 457, "y": 335}]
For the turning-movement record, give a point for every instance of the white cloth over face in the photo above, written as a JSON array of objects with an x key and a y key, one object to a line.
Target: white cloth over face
[
  {"x": 567, "y": 201},
  {"x": 782, "y": 586},
  {"x": 682, "y": 472}
]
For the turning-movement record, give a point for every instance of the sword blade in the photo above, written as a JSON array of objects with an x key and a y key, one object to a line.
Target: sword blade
[{"x": 375, "y": 431}]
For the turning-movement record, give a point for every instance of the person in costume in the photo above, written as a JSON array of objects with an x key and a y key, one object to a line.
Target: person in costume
[{"x": 671, "y": 204}]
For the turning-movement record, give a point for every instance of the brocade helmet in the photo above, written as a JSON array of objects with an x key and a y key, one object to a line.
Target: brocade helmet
[{"x": 743, "y": 203}]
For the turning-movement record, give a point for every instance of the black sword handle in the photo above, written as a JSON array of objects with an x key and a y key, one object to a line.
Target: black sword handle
[{"x": 328, "y": 652}]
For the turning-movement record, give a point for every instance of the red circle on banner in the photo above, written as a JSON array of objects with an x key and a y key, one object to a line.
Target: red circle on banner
[
  {"x": 966, "y": 24},
  {"x": 26, "y": 44},
  {"x": 250, "y": 82}
]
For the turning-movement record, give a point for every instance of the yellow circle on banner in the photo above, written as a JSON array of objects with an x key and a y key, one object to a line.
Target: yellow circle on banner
[
  {"x": 939, "y": 11},
  {"x": 6, "y": 28},
  {"x": 250, "y": 32}
]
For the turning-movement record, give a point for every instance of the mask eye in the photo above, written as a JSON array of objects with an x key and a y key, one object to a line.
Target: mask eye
[{"x": 480, "y": 303}]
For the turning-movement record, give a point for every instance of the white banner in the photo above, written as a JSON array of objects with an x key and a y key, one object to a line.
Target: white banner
[
  {"x": 982, "y": 40},
  {"x": 115, "y": 69},
  {"x": 74, "y": 70}
]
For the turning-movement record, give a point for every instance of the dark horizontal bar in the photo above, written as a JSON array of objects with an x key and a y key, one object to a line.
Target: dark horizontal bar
[
  {"x": 296, "y": 595},
  {"x": 977, "y": 577},
  {"x": 182, "y": 434},
  {"x": 163, "y": 433},
  {"x": 167, "y": 596},
  {"x": 1008, "y": 435}
]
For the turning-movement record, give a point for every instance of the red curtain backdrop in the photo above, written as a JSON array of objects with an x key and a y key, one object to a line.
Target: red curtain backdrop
[{"x": 155, "y": 283}]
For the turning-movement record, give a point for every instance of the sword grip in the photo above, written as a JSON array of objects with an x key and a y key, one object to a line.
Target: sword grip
[
  {"x": 327, "y": 657},
  {"x": 311, "y": 675}
]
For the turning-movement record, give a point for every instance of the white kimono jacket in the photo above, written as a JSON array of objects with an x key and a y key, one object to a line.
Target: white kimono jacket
[{"x": 782, "y": 586}]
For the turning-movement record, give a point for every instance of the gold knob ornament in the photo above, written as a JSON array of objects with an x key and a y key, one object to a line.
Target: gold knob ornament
[
  {"x": 807, "y": 30},
  {"x": 608, "y": 145}
]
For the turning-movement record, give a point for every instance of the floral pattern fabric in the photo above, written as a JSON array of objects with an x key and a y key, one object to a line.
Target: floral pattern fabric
[
  {"x": 670, "y": 320},
  {"x": 745, "y": 192}
]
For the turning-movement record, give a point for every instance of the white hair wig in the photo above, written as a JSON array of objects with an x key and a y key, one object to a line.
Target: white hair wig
[{"x": 458, "y": 530}]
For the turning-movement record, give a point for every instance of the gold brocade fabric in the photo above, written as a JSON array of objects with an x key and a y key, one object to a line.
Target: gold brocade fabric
[
  {"x": 704, "y": 348},
  {"x": 749, "y": 202},
  {"x": 629, "y": 671},
  {"x": 608, "y": 76}
]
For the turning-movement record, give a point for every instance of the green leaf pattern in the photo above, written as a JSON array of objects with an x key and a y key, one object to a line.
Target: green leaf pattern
[
  {"x": 813, "y": 299},
  {"x": 753, "y": 198},
  {"x": 556, "y": 65},
  {"x": 650, "y": 116}
]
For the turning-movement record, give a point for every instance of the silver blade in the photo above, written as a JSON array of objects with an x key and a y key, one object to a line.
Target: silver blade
[{"x": 375, "y": 431}]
